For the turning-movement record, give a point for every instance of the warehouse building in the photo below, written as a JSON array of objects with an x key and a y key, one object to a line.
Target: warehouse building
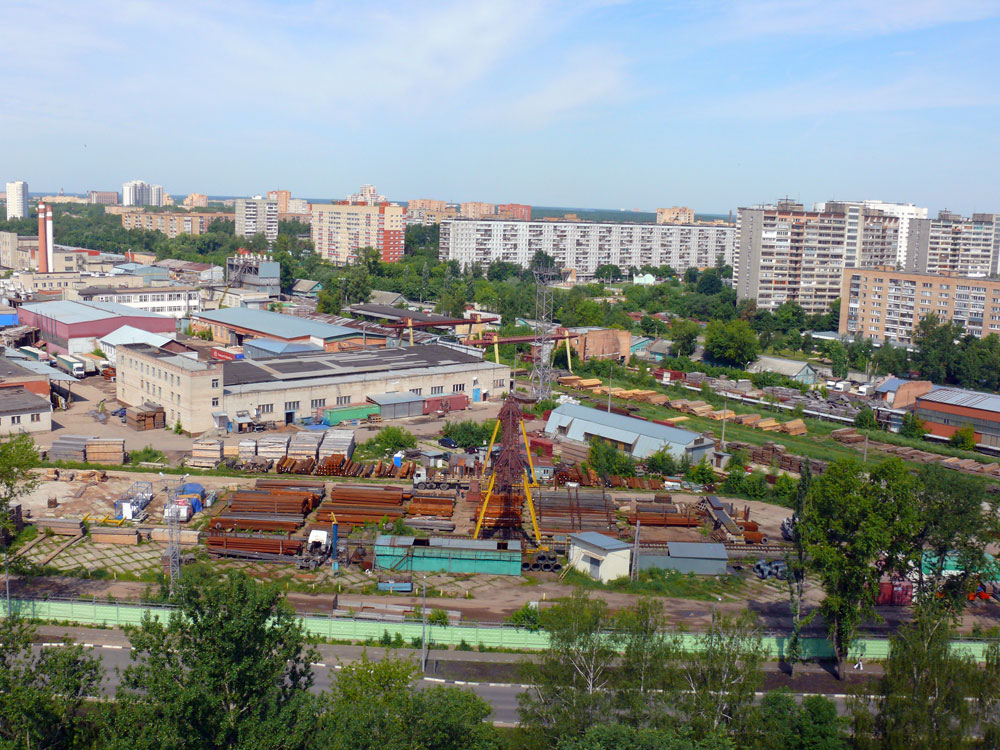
[
  {"x": 286, "y": 389},
  {"x": 945, "y": 410},
  {"x": 233, "y": 325},
  {"x": 128, "y": 335},
  {"x": 23, "y": 411},
  {"x": 600, "y": 557},
  {"x": 486, "y": 556},
  {"x": 637, "y": 437},
  {"x": 20, "y": 373},
  {"x": 698, "y": 558},
  {"x": 68, "y": 327},
  {"x": 800, "y": 372}
]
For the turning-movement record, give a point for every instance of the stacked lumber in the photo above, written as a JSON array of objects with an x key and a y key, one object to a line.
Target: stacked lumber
[
  {"x": 768, "y": 425},
  {"x": 145, "y": 417},
  {"x": 60, "y": 526},
  {"x": 700, "y": 408},
  {"x": 273, "y": 446},
  {"x": 107, "y": 451},
  {"x": 305, "y": 445},
  {"x": 247, "y": 448},
  {"x": 111, "y": 535},
  {"x": 750, "y": 420},
  {"x": 847, "y": 435},
  {"x": 337, "y": 442},
  {"x": 361, "y": 503},
  {"x": 571, "y": 380},
  {"x": 794, "y": 427},
  {"x": 205, "y": 454},
  {"x": 423, "y": 504},
  {"x": 722, "y": 414},
  {"x": 589, "y": 383},
  {"x": 773, "y": 454},
  {"x": 69, "y": 448}
]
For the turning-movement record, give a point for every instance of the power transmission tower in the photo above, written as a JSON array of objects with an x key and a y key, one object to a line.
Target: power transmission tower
[
  {"x": 174, "y": 537},
  {"x": 541, "y": 374}
]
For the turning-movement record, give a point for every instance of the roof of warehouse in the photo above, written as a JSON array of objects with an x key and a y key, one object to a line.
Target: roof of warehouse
[
  {"x": 274, "y": 324},
  {"x": 68, "y": 311},
  {"x": 891, "y": 385},
  {"x": 780, "y": 365},
  {"x": 133, "y": 335},
  {"x": 384, "y": 311},
  {"x": 19, "y": 400},
  {"x": 627, "y": 424},
  {"x": 41, "y": 368},
  {"x": 698, "y": 550},
  {"x": 14, "y": 369},
  {"x": 169, "y": 357},
  {"x": 384, "y": 399},
  {"x": 342, "y": 364},
  {"x": 280, "y": 347},
  {"x": 968, "y": 399},
  {"x": 601, "y": 541}
]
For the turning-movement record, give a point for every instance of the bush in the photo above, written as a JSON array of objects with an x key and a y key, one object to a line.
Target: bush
[
  {"x": 437, "y": 617},
  {"x": 964, "y": 438},
  {"x": 865, "y": 419},
  {"x": 661, "y": 462},
  {"x": 912, "y": 427},
  {"x": 526, "y": 617},
  {"x": 701, "y": 472},
  {"x": 607, "y": 460},
  {"x": 149, "y": 454},
  {"x": 755, "y": 486},
  {"x": 469, "y": 434},
  {"x": 389, "y": 440}
]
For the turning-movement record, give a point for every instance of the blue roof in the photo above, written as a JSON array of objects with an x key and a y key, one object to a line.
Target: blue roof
[
  {"x": 890, "y": 386},
  {"x": 273, "y": 346},
  {"x": 275, "y": 324},
  {"x": 699, "y": 550},
  {"x": 382, "y": 399},
  {"x": 601, "y": 541}
]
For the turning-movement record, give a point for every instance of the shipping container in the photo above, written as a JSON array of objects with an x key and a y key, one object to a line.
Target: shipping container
[
  {"x": 36, "y": 354},
  {"x": 449, "y": 402}
]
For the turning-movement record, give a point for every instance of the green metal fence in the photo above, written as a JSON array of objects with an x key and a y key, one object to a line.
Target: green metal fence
[{"x": 109, "y": 614}]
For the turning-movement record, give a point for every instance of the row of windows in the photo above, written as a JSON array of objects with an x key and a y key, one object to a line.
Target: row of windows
[{"x": 16, "y": 419}]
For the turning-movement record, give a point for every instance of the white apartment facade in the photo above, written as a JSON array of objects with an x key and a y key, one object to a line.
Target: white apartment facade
[
  {"x": 585, "y": 246},
  {"x": 955, "y": 245},
  {"x": 17, "y": 199},
  {"x": 257, "y": 216},
  {"x": 141, "y": 193},
  {"x": 906, "y": 213}
]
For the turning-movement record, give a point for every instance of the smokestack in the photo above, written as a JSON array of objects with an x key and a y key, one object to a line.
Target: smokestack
[{"x": 43, "y": 250}]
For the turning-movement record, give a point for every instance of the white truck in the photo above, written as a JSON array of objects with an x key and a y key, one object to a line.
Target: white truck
[{"x": 70, "y": 365}]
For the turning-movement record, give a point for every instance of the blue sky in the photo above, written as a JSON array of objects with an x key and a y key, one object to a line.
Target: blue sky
[{"x": 708, "y": 103}]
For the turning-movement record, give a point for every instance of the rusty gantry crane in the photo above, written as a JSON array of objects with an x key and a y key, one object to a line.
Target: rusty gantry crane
[{"x": 509, "y": 487}]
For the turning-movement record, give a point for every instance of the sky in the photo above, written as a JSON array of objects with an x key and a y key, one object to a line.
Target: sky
[{"x": 711, "y": 104}]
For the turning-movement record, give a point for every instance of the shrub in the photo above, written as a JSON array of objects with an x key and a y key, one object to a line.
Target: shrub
[
  {"x": 526, "y": 617},
  {"x": 964, "y": 438}
]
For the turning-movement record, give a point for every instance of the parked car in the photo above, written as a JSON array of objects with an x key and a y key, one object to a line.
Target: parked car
[{"x": 447, "y": 442}]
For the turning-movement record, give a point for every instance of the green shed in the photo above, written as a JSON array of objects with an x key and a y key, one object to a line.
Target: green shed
[
  {"x": 333, "y": 417},
  {"x": 412, "y": 554}
]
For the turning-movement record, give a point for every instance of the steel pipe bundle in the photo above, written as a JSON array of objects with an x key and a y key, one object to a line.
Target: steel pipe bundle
[
  {"x": 256, "y": 522},
  {"x": 291, "y": 503},
  {"x": 252, "y": 543}
]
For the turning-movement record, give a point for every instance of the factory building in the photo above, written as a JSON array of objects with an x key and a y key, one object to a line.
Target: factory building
[
  {"x": 638, "y": 438},
  {"x": 285, "y": 389},
  {"x": 234, "y": 325},
  {"x": 67, "y": 327},
  {"x": 946, "y": 410}
]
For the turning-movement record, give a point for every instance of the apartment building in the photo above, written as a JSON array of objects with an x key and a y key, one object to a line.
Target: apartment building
[
  {"x": 788, "y": 254},
  {"x": 257, "y": 216},
  {"x": 195, "y": 200},
  {"x": 141, "y": 193},
  {"x": 172, "y": 224},
  {"x": 171, "y": 301},
  {"x": 427, "y": 204},
  {"x": 886, "y": 305},
  {"x": 298, "y": 206},
  {"x": 282, "y": 197},
  {"x": 340, "y": 230},
  {"x": 905, "y": 212},
  {"x": 954, "y": 245},
  {"x": 477, "y": 210},
  {"x": 586, "y": 245},
  {"x": 103, "y": 197},
  {"x": 17, "y": 199},
  {"x": 871, "y": 239},
  {"x": 515, "y": 211},
  {"x": 368, "y": 195},
  {"x": 675, "y": 215},
  {"x": 426, "y": 217},
  {"x": 18, "y": 252}
]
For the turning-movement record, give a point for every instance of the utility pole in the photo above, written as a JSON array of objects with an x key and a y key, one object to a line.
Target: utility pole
[
  {"x": 611, "y": 378},
  {"x": 635, "y": 552},
  {"x": 725, "y": 409},
  {"x": 866, "y": 448},
  {"x": 423, "y": 637}
]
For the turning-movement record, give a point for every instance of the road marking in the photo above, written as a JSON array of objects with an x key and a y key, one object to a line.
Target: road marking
[
  {"x": 89, "y": 645},
  {"x": 459, "y": 682},
  {"x": 318, "y": 664},
  {"x": 337, "y": 666},
  {"x": 53, "y": 644},
  {"x": 110, "y": 646},
  {"x": 433, "y": 679}
]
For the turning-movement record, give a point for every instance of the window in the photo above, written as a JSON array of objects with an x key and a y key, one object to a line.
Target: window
[
  {"x": 499, "y": 383},
  {"x": 343, "y": 400},
  {"x": 36, "y": 417},
  {"x": 266, "y": 408},
  {"x": 215, "y": 402},
  {"x": 291, "y": 405},
  {"x": 416, "y": 391},
  {"x": 458, "y": 388},
  {"x": 215, "y": 382},
  {"x": 437, "y": 390},
  {"x": 317, "y": 403},
  {"x": 16, "y": 419}
]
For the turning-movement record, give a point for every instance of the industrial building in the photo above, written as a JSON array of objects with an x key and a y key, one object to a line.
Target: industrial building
[
  {"x": 23, "y": 411},
  {"x": 109, "y": 343},
  {"x": 256, "y": 273},
  {"x": 601, "y": 557},
  {"x": 74, "y": 327},
  {"x": 639, "y": 438},
  {"x": 21, "y": 373},
  {"x": 698, "y": 558},
  {"x": 797, "y": 370},
  {"x": 946, "y": 410},
  {"x": 410, "y": 554},
  {"x": 900, "y": 394},
  {"x": 285, "y": 389},
  {"x": 172, "y": 301},
  {"x": 233, "y": 325}
]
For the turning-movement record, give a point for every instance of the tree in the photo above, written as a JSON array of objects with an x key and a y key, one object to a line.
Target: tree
[
  {"x": 624, "y": 737},
  {"x": 856, "y": 527},
  {"x": 701, "y": 472},
  {"x": 648, "y": 677},
  {"x": 469, "y": 433},
  {"x": 389, "y": 440},
  {"x": 795, "y": 561},
  {"x": 783, "y": 724},
  {"x": 709, "y": 282},
  {"x": 691, "y": 275},
  {"x": 719, "y": 680},
  {"x": 286, "y": 264},
  {"x": 865, "y": 419},
  {"x": 608, "y": 461},
  {"x": 838, "y": 359},
  {"x": 609, "y": 272},
  {"x": 228, "y": 668},
  {"x": 18, "y": 457},
  {"x": 935, "y": 346},
  {"x": 912, "y": 427},
  {"x": 925, "y": 697},
  {"x": 964, "y": 438},
  {"x": 685, "y": 337},
  {"x": 662, "y": 462},
  {"x": 328, "y": 302},
  {"x": 732, "y": 343},
  {"x": 571, "y": 683},
  {"x": 43, "y": 694}
]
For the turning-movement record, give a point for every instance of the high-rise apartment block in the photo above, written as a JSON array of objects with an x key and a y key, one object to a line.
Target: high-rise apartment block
[
  {"x": 339, "y": 230},
  {"x": 587, "y": 245},
  {"x": 788, "y": 254},
  {"x": 195, "y": 200},
  {"x": 477, "y": 210},
  {"x": 17, "y": 199},
  {"x": 140, "y": 193},
  {"x": 955, "y": 245},
  {"x": 516, "y": 211},
  {"x": 426, "y": 204},
  {"x": 172, "y": 224},
  {"x": 103, "y": 197},
  {"x": 298, "y": 206},
  {"x": 906, "y": 213},
  {"x": 257, "y": 215},
  {"x": 887, "y": 305},
  {"x": 871, "y": 236},
  {"x": 675, "y": 215},
  {"x": 368, "y": 195},
  {"x": 282, "y": 196}
]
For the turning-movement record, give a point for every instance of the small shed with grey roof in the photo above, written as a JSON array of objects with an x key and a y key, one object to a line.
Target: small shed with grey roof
[
  {"x": 601, "y": 557},
  {"x": 398, "y": 405},
  {"x": 699, "y": 558},
  {"x": 800, "y": 372}
]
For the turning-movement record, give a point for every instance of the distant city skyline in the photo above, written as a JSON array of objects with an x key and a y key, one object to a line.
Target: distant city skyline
[{"x": 712, "y": 105}]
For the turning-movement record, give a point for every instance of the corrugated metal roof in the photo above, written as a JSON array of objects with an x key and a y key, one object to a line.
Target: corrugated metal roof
[
  {"x": 384, "y": 399},
  {"x": 274, "y": 324},
  {"x": 68, "y": 311},
  {"x": 698, "y": 550},
  {"x": 601, "y": 541},
  {"x": 960, "y": 397},
  {"x": 43, "y": 369},
  {"x": 133, "y": 335},
  {"x": 780, "y": 365},
  {"x": 623, "y": 424},
  {"x": 890, "y": 386}
]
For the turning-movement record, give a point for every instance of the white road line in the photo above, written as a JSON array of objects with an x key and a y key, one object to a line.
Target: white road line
[
  {"x": 318, "y": 664},
  {"x": 52, "y": 644},
  {"x": 433, "y": 679},
  {"x": 89, "y": 645},
  {"x": 459, "y": 682},
  {"x": 110, "y": 646}
]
